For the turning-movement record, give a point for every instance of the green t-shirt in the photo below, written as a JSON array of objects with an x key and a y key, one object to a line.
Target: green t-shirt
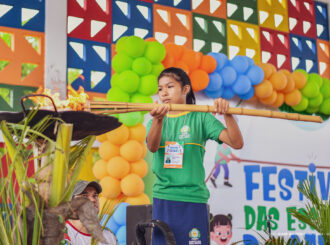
[{"x": 185, "y": 184}]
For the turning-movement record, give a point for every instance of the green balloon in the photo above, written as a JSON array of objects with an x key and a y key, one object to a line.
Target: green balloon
[
  {"x": 128, "y": 81},
  {"x": 311, "y": 90},
  {"x": 314, "y": 77},
  {"x": 116, "y": 94},
  {"x": 114, "y": 80},
  {"x": 155, "y": 52},
  {"x": 120, "y": 45},
  {"x": 148, "y": 85},
  {"x": 302, "y": 106},
  {"x": 325, "y": 89},
  {"x": 312, "y": 110},
  {"x": 121, "y": 62},
  {"x": 316, "y": 102},
  {"x": 303, "y": 72},
  {"x": 325, "y": 107},
  {"x": 134, "y": 46},
  {"x": 157, "y": 69},
  {"x": 131, "y": 118},
  {"x": 140, "y": 98},
  {"x": 141, "y": 66}
]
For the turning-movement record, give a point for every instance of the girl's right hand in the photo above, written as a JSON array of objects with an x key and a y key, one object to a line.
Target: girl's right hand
[{"x": 159, "y": 112}]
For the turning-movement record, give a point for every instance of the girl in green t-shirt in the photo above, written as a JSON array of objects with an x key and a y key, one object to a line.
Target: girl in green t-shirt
[{"x": 177, "y": 140}]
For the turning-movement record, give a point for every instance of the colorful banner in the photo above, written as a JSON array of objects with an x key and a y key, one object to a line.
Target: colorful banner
[{"x": 260, "y": 180}]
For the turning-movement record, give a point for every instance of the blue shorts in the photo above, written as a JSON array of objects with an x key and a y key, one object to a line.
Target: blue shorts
[{"x": 188, "y": 221}]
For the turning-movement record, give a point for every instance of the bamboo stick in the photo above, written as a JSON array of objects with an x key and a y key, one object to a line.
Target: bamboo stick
[{"x": 106, "y": 107}]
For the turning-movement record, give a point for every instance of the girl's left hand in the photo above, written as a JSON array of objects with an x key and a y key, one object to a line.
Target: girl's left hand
[{"x": 221, "y": 106}]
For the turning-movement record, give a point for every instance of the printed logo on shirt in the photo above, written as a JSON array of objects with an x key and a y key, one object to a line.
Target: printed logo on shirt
[
  {"x": 184, "y": 132},
  {"x": 194, "y": 236}
]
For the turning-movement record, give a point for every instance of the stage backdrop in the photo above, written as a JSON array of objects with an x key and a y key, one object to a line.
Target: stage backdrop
[{"x": 261, "y": 179}]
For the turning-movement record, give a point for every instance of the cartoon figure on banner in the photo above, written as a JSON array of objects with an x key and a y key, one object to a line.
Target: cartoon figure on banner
[
  {"x": 221, "y": 229},
  {"x": 222, "y": 158}
]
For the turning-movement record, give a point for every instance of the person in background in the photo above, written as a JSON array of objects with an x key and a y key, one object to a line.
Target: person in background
[
  {"x": 222, "y": 158},
  {"x": 76, "y": 233}
]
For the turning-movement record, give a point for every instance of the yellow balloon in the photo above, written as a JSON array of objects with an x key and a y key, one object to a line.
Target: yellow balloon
[
  {"x": 100, "y": 169},
  {"x": 132, "y": 150},
  {"x": 132, "y": 185},
  {"x": 108, "y": 150},
  {"x": 110, "y": 187},
  {"x": 118, "y": 167},
  {"x": 140, "y": 168},
  {"x": 119, "y": 135},
  {"x": 141, "y": 199}
]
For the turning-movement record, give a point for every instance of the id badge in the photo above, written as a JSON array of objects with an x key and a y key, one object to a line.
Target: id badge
[{"x": 173, "y": 154}]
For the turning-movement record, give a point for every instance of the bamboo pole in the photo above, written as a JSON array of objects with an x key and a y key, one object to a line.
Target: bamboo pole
[{"x": 106, "y": 107}]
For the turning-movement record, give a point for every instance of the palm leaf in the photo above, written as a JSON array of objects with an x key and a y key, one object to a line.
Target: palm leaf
[{"x": 60, "y": 166}]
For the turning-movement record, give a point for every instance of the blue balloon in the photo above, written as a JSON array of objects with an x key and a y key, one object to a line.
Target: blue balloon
[
  {"x": 215, "y": 82},
  {"x": 112, "y": 224},
  {"x": 120, "y": 214},
  {"x": 220, "y": 58},
  {"x": 248, "y": 95},
  {"x": 228, "y": 75},
  {"x": 214, "y": 94},
  {"x": 227, "y": 93},
  {"x": 240, "y": 63},
  {"x": 256, "y": 74},
  {"x": 121, "y": 234},
  {"x": 242, "y": 85},
  {"x": 250, "y": 61}
]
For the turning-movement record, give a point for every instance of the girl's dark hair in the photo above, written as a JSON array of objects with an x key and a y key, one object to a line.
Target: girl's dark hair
[
  {"x": 220, "y": 219},
  {"x": 180, "y": 76}
]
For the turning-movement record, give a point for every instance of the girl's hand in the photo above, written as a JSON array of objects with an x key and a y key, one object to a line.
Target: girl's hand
[
  {"x": 221, "y": 106},
  {"x": 159, "y": 112}
]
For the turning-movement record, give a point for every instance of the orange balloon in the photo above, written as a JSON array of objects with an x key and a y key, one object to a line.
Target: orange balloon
[
  {"x": 264, "y": 89},
  {"x": 299, "y": 79},
  {"x": 100, "y": 169},
  {"x": 108, "y": 150},
  {"x": 141, "y": 199},
  {"x": 101, "y": 138},
  {"x": 132, "y": 185},
  {"x": 175, "y": 50},
  {"x": 144, "y": 150},
  {"x": 140, "y": 168},
  {"x": 208, "y": 63},
  {"x": 110, "y": 187},
  {"x": 293, "y": 98},
  {"x": 268, "y": 69},
  {"x": 119, "y": 135},
  {"x": 132, "y": 150},
  {"x": 138, "y": 132},
  {"x": 290, "y": 85},
  {"x": 118, "y": 167},
  {"x": 199, "y": 80},
  {"x": 279, "y": 100},
  {"x": 168, "y": 61},
  {"x": 182, "y": 65},
  {"x": 192, "y": 59},
  {"x": 270, "y": 100},
  {"x": 279, "y": 81}
]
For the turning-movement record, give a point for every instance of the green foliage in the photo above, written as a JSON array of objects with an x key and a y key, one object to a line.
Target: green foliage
[{"x": 316, "y": 212}]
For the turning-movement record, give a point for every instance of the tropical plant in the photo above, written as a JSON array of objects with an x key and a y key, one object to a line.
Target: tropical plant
[
  {"x": 37, "y": 213},
  {"x": 316, "y": 212}
]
